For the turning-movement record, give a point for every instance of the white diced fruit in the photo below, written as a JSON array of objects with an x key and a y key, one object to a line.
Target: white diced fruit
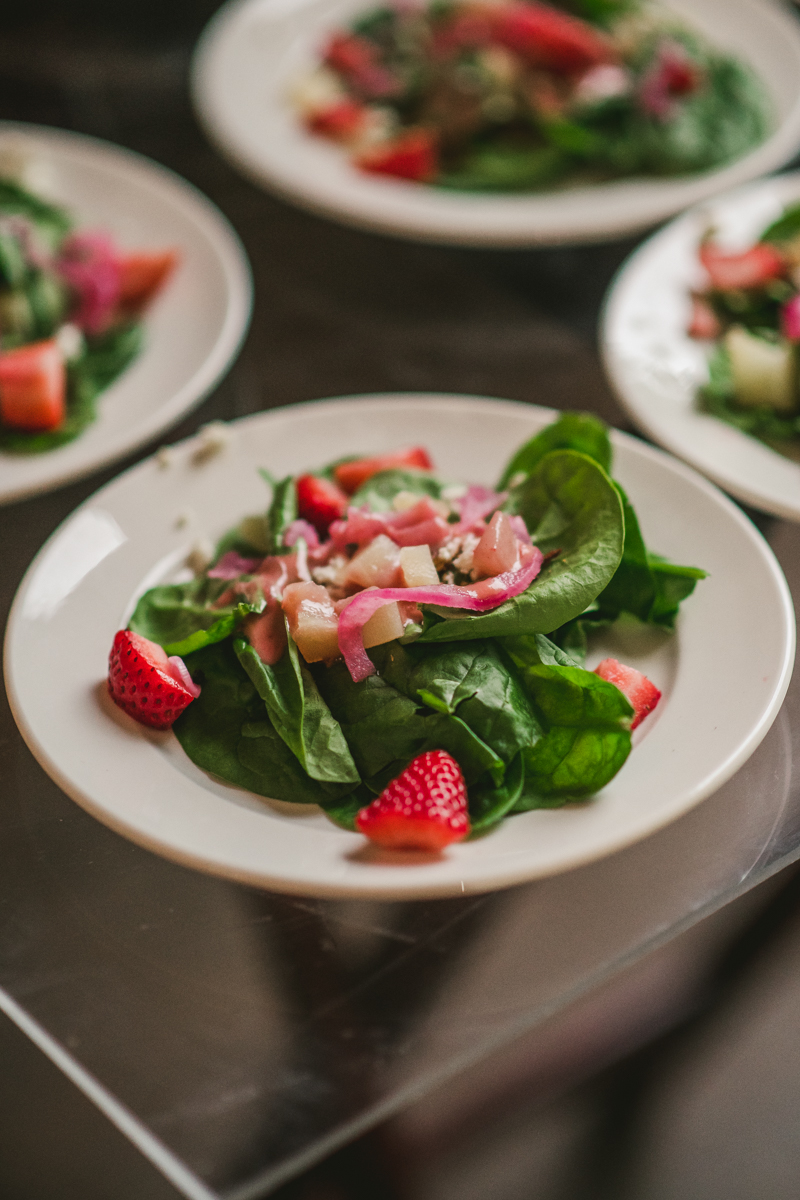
[
  {"x": 764, "y": 373},
  {"x": 312, "y": 619},
  {"x": 383, "y": 626},
  {"x": 416, "y": 566},
  {"x": 377, "y": 565}
]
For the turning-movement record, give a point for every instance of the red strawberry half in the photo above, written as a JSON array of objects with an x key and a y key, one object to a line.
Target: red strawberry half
[
  {"x": 424, "y": 808},
  {"x": 352, "y": 475},
  {"x": 151, "y": 687},
  {"x": 750, "y": 269},
  {"x": 643, "y": 694},
  {"x": 319, "y": 502}
]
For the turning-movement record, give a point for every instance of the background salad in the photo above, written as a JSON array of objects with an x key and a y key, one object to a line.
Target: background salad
[
  {"x": 289, "y": 708},
  {"x": 70, "y": 309},
  {"x": 511, "y": 95},
  {"x": 750, "y": 310}
]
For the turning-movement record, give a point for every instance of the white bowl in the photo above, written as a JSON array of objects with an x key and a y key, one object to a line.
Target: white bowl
[
  {"x": 192, "y": 331},
  {"x": 254, "y": 50},
  {"x": 656, "y": 368},
  {"x": 717, "y": 704}
]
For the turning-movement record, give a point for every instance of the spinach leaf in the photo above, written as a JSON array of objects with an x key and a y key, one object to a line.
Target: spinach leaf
[
  {"x": 299, "y": 714},
  {"x": 385, "y": 729},
  {"x": 534, "y": 650},
  {"x": 570, "y": 505},
  {"x": 380, "y": 490},
  {"x": 52, "y": 222},
  {"x": 473, "y": 680},
  {"x": 227, "y": 732},
  {"x": 571, "y": 764},
  {"x": 488, "y": 805},
  {"x": 172, "y": 613},
  {"x": 786, "y": 228},
  {"x": 571, "y": 431},
  {"x": 344, "y": 812},
  {"x": 588, "y": 735},
  {"x": 222, "y": 628},
  {"x": 645, "y": 585},
  {"x": 282, "y": 511}
]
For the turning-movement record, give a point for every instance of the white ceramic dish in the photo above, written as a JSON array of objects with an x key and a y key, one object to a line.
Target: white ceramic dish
[
  {"x": 254, "y": 50},
  {"x": 194, "y": 328},
  {"x": 132, "y": 533},
  {"x": 656, "y": 369}
]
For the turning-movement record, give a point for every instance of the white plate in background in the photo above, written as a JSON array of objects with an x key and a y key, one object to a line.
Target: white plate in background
[
  {"x": 718, "y": 701},
  {"x": 194, "y": 328},
  {"x": 253, "y": 51},
  {"x": 656, "y": 368}
]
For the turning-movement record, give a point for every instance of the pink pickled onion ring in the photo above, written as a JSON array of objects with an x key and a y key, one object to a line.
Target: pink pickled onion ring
[
  {"x": 478, "y": 597},
  {"x": 178, "y": 670},
  {"x": 232, "y": 565}
]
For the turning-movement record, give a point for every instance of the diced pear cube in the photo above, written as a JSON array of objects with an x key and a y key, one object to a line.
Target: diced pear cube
[
  {"x": 764, "y": 373},
  {"x": 312, "y": 620},
  {"x": 416, "y": 566},
  {"x": 377, "y": 565},
  {"x": 385, "y": 625}
]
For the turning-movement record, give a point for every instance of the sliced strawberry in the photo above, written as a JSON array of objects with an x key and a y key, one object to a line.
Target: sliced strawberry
[
  {"x": 752, "y": 268},
  {"x": 152, "y": 688},
  {"x": 33, "y": 385},
  {"x": 550, "y": 38},
  {"x": 142, "y": 276},
  {"x": 414, "y": 155},
  {"x": 341, "y": 121},
  {"x": 643, "y": 694},
  {"x": 704, "y": 322},
  {"x": 320, "y": 502},
  {"x": 351, "y": 475},
  {"x": 349, "y": 53},
  {"x": 424, "y": 808}
]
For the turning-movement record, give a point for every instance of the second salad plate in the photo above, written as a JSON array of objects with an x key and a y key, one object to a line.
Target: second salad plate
[
  {"x": 657, "y": 369},
  {"x": 254, "y": 53},
  {"x": 195, "y": 326},
  {"x": 138, "y": 531}
]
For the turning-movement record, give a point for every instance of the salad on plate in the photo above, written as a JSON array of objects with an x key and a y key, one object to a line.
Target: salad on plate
[
  {"x": 71, "y": 305},
  {"x": 406, "y": 651},
  {"x": 519, "y": 95},
  {"x": 749, "y": 312}
]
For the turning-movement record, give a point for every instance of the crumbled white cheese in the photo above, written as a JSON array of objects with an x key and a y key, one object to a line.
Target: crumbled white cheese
[
  {"x": 70, "y": 341},
  {"x": 330, "y": 573},
  {"x": 212, "y": 440},
  {"x": 463, "y": 562},
  {"x": 317, "y": 91},
  {"x": 165, "y": 457}
]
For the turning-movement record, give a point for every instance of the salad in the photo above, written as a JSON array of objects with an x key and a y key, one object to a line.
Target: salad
[
  {"x": 750, "y": 313},
  {"x": 70, "y": 319},
  {"x": 505, "y": 95},
  {"x": 408, "y": 652}
]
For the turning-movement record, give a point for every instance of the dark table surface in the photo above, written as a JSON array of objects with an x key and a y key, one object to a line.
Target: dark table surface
[{"x": 237, "y": 1035}]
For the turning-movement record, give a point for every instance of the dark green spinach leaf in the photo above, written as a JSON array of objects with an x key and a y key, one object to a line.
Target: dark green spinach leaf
[{"x": 299, "y": 714}]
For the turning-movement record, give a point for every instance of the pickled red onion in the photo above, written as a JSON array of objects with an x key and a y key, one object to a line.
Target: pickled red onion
[{"x": 478, "y": 597}]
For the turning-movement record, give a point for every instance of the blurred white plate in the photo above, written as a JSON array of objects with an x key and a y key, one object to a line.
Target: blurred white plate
[
  {"x": 192, "y": 331},
  {"x": 81, "y": 588},
  {"x": 253, "y": 51},
  {"x": 656, "y": 368}
]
